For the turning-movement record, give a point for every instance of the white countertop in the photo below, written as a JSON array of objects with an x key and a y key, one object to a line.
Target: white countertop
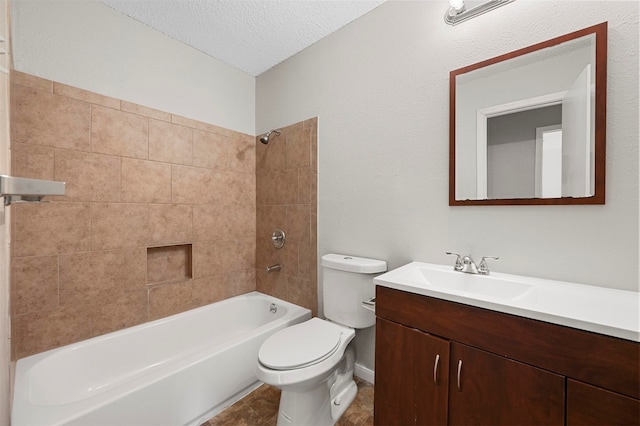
[{"x": 601, "y": 310}]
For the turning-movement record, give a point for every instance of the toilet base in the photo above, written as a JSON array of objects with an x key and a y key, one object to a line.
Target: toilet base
[
  {"x": 324, "y": 403},
  {"x": 313, "y": 407}
]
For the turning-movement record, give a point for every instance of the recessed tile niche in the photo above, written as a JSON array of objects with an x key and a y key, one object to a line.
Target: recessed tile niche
[{"x": 167, "y": 264}]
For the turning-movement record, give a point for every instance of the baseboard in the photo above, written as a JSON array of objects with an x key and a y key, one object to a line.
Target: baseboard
[{"x": 364, "y": 373}]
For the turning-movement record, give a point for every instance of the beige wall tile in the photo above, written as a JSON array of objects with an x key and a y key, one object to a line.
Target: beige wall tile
[
  {"x": 269, "y": 218},
  {"x": 42, "y": 118},
  {"x": 247, "y": 253},
  {"x": 299, "y": 222},
  {"x": 123, "y": 210},
  {"x": 298, "y": 150},
  {"x": 147, "y": 112},
  {"x": 311, "y": 123},
  {"x": 216, "y": 257},
  {"x": 84, "y": 95},
  {"x": 209, "y": 290},
  {"x": 239, "y": 188},
  {"x": 300, "y": 292},
  {"x": 170, "y": 299},
  {"x": 170, "y": 142},
  {"x": 211, "y": 222},
  {"x": 145, "y": 181},
  {"x": 278, "y": 187},
  {"x": 89, "y": 177},
  {"x": 207, "y": 259},
  {"x": 242, "y": 157},
  {"x": 31, "y": 81},
  {"x": 49, "y": 329},
  {"x": 295, "y": 127},
  {"x": 170, "y": 223},
  {"x": 135, "y": 268},
  {"x": 267, "y": 255},
  {"x": 211, "y": 150},
  {"x": 287, "y": 198},
  {"x": 314, "y": 151},
  {"x": 90, "y": 275},
  {"x": 274, "y": 283},
  {"x": 34, "y": 284},
  {"x": 272, "y": 156},
  {"x": 314, "y": 192},
  {"x": 202, "y": 126},
  {"x": 119, "y": 133},
  {"x": 116, "y": 313},
  {"x": 305, "y": 253},
  {"x": 304, "y": 185},
  {"x": 314, "y": 232},
  {"x": 32, "y": 161},
  {"x": 193, "y": 185},
  {"x": 233, "y": 255},
  {"x": 241, "y": 282},
  {"x": 119, "y": 225},
  {"x": 290, "y": 254},
  {"x": 46, "y": 229},
  {"x": 169, "y": 264}
]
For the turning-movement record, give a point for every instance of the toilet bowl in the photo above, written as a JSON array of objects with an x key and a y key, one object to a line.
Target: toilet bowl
[{"x": 313, "y": 362}]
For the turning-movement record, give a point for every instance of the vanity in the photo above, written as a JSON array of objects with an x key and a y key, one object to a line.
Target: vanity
[{"x": 456, "y": 348}]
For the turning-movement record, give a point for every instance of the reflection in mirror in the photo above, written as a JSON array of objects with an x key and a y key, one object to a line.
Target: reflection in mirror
[{"x": 528, "y": 127}]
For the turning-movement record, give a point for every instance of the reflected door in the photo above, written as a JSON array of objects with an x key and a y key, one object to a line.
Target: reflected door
[{"x": 576, "y": 137}]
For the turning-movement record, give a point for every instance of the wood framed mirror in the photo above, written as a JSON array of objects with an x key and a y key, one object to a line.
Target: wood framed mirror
[{"x": 529, "y": 127}]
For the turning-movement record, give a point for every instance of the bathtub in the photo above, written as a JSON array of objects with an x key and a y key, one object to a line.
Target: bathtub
[{"x": 179, "y": 370}]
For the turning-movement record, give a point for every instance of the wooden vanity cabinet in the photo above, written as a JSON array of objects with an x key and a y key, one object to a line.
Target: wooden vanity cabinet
[
  {"x": 494, "y": 390},
  {"x": 589, "y": 405},
  {"x": 502, "y": 369},
  {"x": 415, "y": 389}
]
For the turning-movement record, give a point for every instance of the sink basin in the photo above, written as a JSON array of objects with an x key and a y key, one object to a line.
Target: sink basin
[
  {"x": 449, "y": 280},
  {"x": 597, "y": 309}
]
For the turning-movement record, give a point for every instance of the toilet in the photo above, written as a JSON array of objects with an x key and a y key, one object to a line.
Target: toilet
[{"x": 313, "y": 362}]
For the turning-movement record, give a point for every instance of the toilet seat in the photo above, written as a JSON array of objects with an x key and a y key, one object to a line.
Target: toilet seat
[{"x": 284, "y": 351}]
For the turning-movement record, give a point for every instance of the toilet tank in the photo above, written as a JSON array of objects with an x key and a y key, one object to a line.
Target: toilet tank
[{"x": 347, "y": 281}]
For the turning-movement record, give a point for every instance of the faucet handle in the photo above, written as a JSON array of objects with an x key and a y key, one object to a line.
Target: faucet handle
[
  {"x": 483, "y": 268},
  {"x": 458, "y": 264}
]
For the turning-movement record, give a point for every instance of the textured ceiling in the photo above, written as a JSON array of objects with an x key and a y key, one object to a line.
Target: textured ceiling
[{"x": 251, "y": 35}]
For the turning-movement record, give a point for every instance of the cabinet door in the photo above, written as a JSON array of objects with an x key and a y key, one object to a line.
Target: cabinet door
[
  {"x": 411, "y": 376},
  {"x": 589, "y": 405},
  {"x": 490, "y": 389}
]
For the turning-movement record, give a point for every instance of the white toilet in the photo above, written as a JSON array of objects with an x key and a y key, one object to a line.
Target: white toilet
[{"x": 312, "y": 362}]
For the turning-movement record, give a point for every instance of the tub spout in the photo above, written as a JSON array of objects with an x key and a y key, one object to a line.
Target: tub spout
[{"x": 273, "y": 268}]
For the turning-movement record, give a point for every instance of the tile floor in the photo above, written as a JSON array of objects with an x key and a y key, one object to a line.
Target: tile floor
[{"x": 260, "y": 408}]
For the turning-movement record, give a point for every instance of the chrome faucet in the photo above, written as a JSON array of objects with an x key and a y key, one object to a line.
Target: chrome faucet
[{"x": 467, "y": 265}]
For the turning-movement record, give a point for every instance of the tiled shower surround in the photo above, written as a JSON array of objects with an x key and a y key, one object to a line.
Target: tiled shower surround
[
  {"x": 159, "y": 215},
  {"x": 286, "y": 180}
]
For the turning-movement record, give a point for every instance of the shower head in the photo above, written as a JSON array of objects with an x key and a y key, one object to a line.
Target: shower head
[{"x": 265, "y": 138}]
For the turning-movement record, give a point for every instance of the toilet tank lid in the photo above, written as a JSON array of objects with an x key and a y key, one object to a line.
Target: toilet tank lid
[{"x": 359, "y": 265}]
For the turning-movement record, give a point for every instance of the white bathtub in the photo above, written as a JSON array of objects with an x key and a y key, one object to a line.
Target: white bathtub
[{"x": 179, "y": 370}]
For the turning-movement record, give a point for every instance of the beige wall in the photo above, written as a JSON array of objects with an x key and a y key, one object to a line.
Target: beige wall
[
  {"x": 5, "y": 317},
  {"x": 380, "y": 89},
  {"x": 87, "y": 44},
  {"x": 136, "y": 178},
  {"x": 383, "y": 99},
  {"x": 286, "y": 174}
]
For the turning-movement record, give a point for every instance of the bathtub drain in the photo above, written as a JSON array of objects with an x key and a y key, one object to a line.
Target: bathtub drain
[{"x": 273, "y": 308}]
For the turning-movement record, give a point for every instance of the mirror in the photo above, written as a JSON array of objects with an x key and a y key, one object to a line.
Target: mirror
[{"x": 528, "y": 127}]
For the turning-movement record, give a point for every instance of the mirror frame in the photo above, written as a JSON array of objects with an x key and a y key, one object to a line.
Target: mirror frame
[{"x": 600, "y": 31}]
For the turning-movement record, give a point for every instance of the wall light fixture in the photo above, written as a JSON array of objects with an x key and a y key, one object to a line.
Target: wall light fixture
[{"x": 457, "y": 11}]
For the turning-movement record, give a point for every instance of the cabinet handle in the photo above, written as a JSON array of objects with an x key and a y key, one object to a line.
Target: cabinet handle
[
  {"x": 459, "y": 373},
  {"x": 435, "y": 370}
]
